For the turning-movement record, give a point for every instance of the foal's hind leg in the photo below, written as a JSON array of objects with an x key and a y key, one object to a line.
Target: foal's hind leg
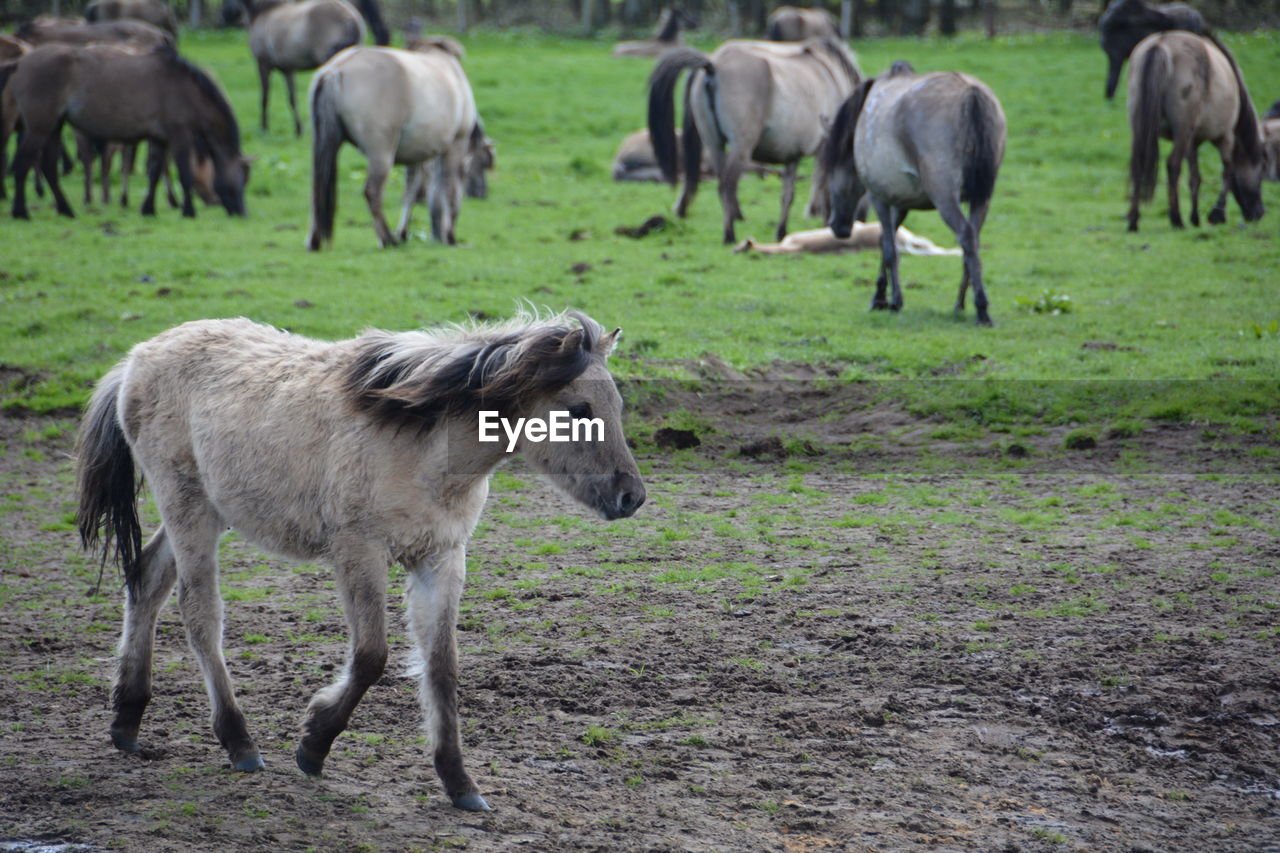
[
  {"x": 435, "y": 589},
  {"x": 890, "y": 218},
  {"x": 132, "y": 689},
  {"x": 49, "y": 167},
  {"x": 362, "y": 587}
]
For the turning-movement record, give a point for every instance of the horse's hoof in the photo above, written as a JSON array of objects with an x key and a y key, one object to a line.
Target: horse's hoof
[
  {"x": 1217, "y": 217},
  {"x": 309, "y": 762},
  {"x": 984, "y": 320},
  {"x": 471, "y": 803},
  {"x": 249, "y": 764},
  {"x": 126, "y": 743}
]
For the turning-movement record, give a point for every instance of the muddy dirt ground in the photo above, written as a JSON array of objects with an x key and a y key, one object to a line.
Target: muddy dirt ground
[{"x": 880, "y": 636}]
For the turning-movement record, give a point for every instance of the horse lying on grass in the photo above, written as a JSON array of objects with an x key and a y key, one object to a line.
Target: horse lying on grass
[
  {"x": 361, "y": 452},
  {"x": 864, "y": 235}
]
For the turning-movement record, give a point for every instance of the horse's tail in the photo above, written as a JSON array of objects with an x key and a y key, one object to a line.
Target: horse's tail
[
  {"x": 662, "y": 110},
  {"x": 982, "y": 148},
  {"x": 1154, "y": 73},
  {"x": 327, "y": 137},
  {"x": 108, "y": 484}
]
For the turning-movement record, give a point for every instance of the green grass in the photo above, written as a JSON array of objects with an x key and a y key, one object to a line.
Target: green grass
[{"x": 1197, "y": 304}]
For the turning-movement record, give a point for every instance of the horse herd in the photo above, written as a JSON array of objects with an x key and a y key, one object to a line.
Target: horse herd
[{"x": 366, "y": 451}]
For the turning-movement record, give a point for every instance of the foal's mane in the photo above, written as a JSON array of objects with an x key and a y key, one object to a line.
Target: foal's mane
[{"x": 420, "y": 378}]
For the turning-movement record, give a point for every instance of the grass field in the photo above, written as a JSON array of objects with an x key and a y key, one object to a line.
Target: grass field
[{"x": 1198, "y": 304}]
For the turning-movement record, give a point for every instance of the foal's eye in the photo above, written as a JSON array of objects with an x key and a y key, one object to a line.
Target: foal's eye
[{"x": 580, "y": 411}]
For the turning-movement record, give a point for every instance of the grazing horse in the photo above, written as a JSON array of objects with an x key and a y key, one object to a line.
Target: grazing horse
[
  {"x": 1188, "y": 88},
  {"x": 670, "y": 23},
  {"x": 917, "y": 142},
  {"x": 45, "y": 30},
  {"x": 116, "y": 94},
  {"x": 767, "y": 101},
  {"x": 791, "y": 23},
  {"x": 361, "y": 452},
  {"x": 154, "y": 12},
  {"x": 864, "y": 235},
  {"x": 1127, "y": 22},
  {"x": 398, "y": 107},
  {"x": 298, "y": 36}
]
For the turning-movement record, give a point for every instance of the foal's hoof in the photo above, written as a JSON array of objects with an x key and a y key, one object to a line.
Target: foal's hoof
[
  {"x": 309, "y": 762},
  {"x": 1217, "y": 216},
  {"x": 471, "y": 803},
  {"x": 249, "y": 764}
]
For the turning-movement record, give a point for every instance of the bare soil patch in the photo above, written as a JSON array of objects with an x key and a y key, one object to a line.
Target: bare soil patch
[{"x": 915, "y": 642}]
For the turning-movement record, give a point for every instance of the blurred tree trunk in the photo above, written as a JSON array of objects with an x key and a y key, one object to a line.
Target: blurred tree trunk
[
  {"x": 989, "y": 13},
  {"x": 735, "y": 19},
  {"x": 947, "y": 17},
  {"x": 462, "y": 16}
]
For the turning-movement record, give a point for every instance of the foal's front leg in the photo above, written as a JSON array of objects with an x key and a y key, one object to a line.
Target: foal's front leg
[
  {"x": 362, "y": 588},
  {"x": 434, "y": 592}
]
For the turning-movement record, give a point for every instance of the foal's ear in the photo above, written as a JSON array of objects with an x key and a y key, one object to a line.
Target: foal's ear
[{"x": 609, "y": 341}]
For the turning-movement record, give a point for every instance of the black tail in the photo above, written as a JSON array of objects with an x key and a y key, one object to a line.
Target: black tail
[
  {"x": 108, "y": 484},
  {"x": 1154, "y": 74},
  {"x": 327, "y": 137},
  {"x": 662, "y": 108},
  {"x": 981, "y": 147}
]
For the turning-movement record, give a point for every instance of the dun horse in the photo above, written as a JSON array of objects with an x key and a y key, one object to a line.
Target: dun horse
[
  {"x": 360, "y": 452},
  {"x": 1127, "y": 22},
  {"x": 116, "y": 94},
  {"x": 1188, "y": 88},
  {"x": 789, "y": 23},
  {"x": 767, "y": 101},
  {"x": 289, "y": 37},
  {"x": 670, "y": 23},
  {"x": 398, "y": 107},
  {"x": 917, "y": 142}
]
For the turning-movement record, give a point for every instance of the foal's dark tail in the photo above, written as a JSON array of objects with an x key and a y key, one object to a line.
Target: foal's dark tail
[
  {"x": 982, "y": 147},
  {"x": 327, "y": 137},
  {"x": 662, "y": 113},
  {"x": 1154, "y": 75},
  {"x": 108, "y": 484}
]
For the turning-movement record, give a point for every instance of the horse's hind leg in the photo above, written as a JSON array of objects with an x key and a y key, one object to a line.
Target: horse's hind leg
[
  {"x": 1218, "y": 215},
  {"x": 435, "y": 589},
  {"x": 788, "y": 196},
  {"x": 293, "y": 101},
  {"x": 264, "y": 77},
  {"x": 1174, "y": 167},
  {"x": 1193, "y": 174},
  {"x": 49, "y": 167},
  {"x": 444, "y": 197},
  {"x": 362, "y": 587},
  {"x": 890, "y": 218},
  {"x": 155, "y": 163},
  {"x": 415, "y": 188},
  {"x": 132, "y": 689},
  {"x": 966, "y": 231},
  {"x": 375, "y": 182}
]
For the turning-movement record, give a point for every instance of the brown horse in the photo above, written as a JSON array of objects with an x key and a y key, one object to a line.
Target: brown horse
[
  {"x": 297, "y": 36},
  {"x": 1127, "y": 22},
  {"x": 791, "y": 23},
  {"x": 12, "y": 48},
  {"x": 1188, "y": 88},
  {"x": 47, "y": 30},
  {"x": 917, "y": 142},
  {"x": 767, "y": 101},
  {"x": 154, "y": 12},
  {"x": 116, "y": 94},
  {"x": 670, "y": 23}
]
